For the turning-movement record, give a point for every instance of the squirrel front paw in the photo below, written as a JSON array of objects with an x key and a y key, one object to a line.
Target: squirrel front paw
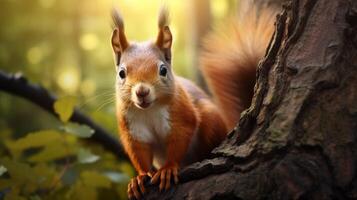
[
  {"x": 136, "y": 186},
  {"x": 165, "y": 175}
]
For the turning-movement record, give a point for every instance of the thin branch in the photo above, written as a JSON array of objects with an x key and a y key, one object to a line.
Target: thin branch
[{"x": 18, "y": 85}]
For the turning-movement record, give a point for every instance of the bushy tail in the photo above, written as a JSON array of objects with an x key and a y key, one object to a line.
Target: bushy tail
[{"x": 230, "y": 56}]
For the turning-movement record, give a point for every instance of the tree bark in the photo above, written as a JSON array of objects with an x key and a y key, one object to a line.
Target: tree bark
[{"x": 298, "y": 138}]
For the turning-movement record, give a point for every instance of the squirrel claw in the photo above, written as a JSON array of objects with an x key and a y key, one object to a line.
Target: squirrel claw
[
  {"x": 164, "y": 176},
  {"x": 136, "y": 187}
]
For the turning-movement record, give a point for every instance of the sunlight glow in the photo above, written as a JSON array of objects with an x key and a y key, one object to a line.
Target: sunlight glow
[
  {"x": 34, "y": 55},
  {"x": 219, "y": 8},
  {"x": 88, "y": 41},
  {"x": 68, "y": 79}
]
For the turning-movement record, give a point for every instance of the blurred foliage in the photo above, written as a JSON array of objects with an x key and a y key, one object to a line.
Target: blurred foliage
[
  {"x": 64, "y": 46},
  {"x": 55, "y": 164}
]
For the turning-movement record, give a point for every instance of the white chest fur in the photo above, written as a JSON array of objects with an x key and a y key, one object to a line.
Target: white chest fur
[{"x": 149, "y": 126}]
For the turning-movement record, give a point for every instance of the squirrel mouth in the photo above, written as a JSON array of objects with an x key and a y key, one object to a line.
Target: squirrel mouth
[{"x": 143, "y": 104}]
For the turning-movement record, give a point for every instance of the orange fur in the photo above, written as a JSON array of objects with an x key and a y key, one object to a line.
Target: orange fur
[
  {"x": 194, "y": 124},
  {"x": 213, "y": 130},
  {"x": 230, "y": 57},
  {"x": 140, "y": 154},
  {"x": 184, "y": 122}
]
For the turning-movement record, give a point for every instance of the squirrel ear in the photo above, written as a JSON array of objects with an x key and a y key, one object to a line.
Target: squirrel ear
[
  {"x": 164, "y": 42},
  {"x": 116, "y": 41},
  {"x": 119, "y": 42}
]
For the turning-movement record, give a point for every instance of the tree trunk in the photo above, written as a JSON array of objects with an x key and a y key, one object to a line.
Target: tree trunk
[
  {"x": 298, "y": 138},
  {"x": 200, "y": 14}
]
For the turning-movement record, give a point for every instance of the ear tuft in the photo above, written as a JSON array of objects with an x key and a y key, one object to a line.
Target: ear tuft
[
  {"x": 164, "y": 38},
  {"x": 164, "y": 42},
  {"x": 117, "y": 19},
  {"x": 163, "y": 17}
]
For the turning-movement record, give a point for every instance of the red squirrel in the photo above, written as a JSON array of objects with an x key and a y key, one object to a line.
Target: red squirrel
[{"x": 167, "y": 122}]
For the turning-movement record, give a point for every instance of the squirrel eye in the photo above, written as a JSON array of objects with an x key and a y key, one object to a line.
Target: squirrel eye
[
  {"x": 122, "y": 74},
  {"x": 163, "y": 70}
]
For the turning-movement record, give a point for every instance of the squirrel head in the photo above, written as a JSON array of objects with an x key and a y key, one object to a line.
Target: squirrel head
[{"x": 143, "y": 70}]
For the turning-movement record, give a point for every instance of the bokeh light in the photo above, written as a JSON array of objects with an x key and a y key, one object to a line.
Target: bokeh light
[
  {"x": 68, "y": 79},
  {"x": 89, "y": 41},
  {"x": 219, "y": 8},
  {"x": 35, "y": 55}
]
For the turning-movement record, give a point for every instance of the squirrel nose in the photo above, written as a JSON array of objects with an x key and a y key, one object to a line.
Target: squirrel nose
[{"x": 142, "y": 92}]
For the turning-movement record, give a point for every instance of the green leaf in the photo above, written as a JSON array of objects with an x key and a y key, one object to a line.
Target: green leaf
[
  {"x": 2, "y": 170},
  {"x": 64, "y": 107},
  {"x": 46, "y": 174},
  {"x": 35, "y": 139},
  {"x": 79, "y": 130},
  {"x": 85, "y": 156},
  {"x": 52, "y": 152},
  {"x": 21, "y": 172},
  {"x": 95, "y": 179}
]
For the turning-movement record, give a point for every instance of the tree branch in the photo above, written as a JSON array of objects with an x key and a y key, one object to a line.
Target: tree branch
[{"x": 18, "y": 85}]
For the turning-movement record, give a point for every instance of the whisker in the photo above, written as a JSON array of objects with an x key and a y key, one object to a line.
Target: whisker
[
  {"x": 91, "y": 99},
  {"x": 104, "y": 104}
]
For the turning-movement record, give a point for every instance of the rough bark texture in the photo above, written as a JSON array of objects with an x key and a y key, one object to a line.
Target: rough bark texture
[{"x": 298, "y": 138}]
